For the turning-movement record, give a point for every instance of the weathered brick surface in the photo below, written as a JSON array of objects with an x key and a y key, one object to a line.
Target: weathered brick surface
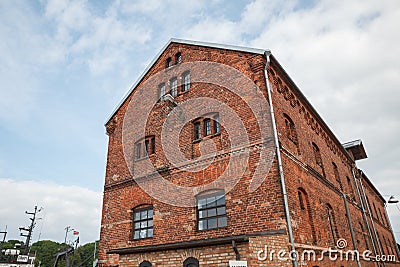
[{"x": 247, "y": 213}]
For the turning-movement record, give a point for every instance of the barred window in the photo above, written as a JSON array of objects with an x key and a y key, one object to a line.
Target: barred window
[
  {"x": 143, "y": 222},
  {"x": 211, "y": 211}
]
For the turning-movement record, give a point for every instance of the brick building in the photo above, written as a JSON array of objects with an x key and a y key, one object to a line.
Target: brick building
[{"x": 165, "y": 203}]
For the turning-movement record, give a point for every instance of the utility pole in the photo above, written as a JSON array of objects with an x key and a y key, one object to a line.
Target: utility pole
[
  {"x": 29, "y": 230},
  {"x": 4, "y": 240},
  {"x": 67, "y": 230}
]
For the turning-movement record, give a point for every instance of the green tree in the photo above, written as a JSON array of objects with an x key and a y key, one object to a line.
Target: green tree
[{"x": 45, "y": 252}]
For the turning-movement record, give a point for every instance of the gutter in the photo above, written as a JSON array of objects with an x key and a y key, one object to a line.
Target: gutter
[{"x": 278, "y": 154}]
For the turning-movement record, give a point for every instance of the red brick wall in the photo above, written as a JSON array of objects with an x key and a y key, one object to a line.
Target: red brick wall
[{"x": 247, "y": 213}]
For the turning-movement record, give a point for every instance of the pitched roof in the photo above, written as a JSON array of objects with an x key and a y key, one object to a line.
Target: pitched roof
[{"x": 187, "y": 42}]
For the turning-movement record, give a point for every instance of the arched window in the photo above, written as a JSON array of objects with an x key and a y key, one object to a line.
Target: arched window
[
  {"x": 305, "y": 207},
  {"x": 178, "y": 58},
  {"x": 145, "y": 264},
  {"x": 174, "y": 86},
  {"x": 336, "y": 174},
  {"x": 169, "y": 62},
  {"x": 211, "y": 210},
  {"x": 143, "y": 222},
  {"x": 350, "y": 185},
  {"x": 332, "y": 223},
  {"x": 185, "y": 81},
  {"x": 318, "y": 158},
  {"x": 290, "y": 130},
  {"x": 191, "y": 262}
]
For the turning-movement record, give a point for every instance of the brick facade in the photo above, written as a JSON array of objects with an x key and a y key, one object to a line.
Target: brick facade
[{"x": 318, "y": 190}]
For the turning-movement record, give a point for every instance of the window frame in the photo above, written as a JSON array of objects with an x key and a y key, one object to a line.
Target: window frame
[
  {"x": 145, "y": 147},
  {"x": 207, "y": 127},
  {"x": 161, "y": 90},
  {"x": 218, "y": 205},
  {"x": 185, "y": 81},
  {"x": 178, "y": 58},
  {"x": 169, "y": 62},
  {"x": 141, "y": 220},
  {"x": 173, "y": 83}
]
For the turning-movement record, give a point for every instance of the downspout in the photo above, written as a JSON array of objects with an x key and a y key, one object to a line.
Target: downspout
[
  {"x": 363, "y": 210},
  {"x": 351, "y": 227},
  {"x": 372, "y": 220},
  {"x": 278, "y": 155}
]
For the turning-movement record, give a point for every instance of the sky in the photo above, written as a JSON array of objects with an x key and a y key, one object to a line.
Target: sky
[{"x": 65, "y": 66}]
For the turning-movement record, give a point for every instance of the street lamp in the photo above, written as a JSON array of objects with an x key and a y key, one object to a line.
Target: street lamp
[{"x": 393, "y": 200}]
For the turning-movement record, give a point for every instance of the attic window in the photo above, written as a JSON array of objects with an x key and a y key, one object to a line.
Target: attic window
[
  {"x": 178, "y": 58},
  {"x": 169, "y": 62}
]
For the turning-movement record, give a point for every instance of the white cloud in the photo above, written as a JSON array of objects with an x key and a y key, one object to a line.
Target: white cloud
[{"x": 63, "y": 206}]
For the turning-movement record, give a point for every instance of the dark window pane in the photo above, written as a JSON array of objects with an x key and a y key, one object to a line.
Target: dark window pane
[
  {"x": 136, "y": 235},
  {"x": 222, "y": 222},
  {"x": 143, "y": 233},
  {"x": 221, "y": 211},
  {"x": 220, "y": 200},
  {"x": 150, "y": 213},
  {"x": 202, "y": 225},
  {"x": 137, "y": 216},
  {"x": 143, "y": 214},
  {"x": 202, "y": 214},
  {"x": 212, "y": 212},
  {"x": 150, "y": 232},
  {"x": 210, "y": 201},
  {"x": 212, "y": 223},
  {"x": 201, "y": 203}
]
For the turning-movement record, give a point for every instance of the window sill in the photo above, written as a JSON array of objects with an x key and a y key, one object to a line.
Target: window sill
[
  {"x": 213, "y": 229},
  {"x": 206, "y": 137},
  {"x": 143, "y": 158}
]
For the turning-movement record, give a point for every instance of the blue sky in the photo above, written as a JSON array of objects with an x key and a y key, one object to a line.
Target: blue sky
[{"x": 65, "y": 65}]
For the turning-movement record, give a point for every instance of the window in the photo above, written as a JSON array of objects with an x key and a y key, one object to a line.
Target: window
[
  {"x": 211, "y": 211},
  {"x": 197, "y": 130},
  {"x": 161, "y": 90},
  {"x": 145, "y": 147},
  {"x": 174, "y": 87},
  {"x": 143, "y": 222},
  {"x": 178, "y": 58},
  {"x": 186, "y": 81},
  {"x": 207, "y": 127},
  {"x": 191, "y": 262},
  {"x": 337, "y": 177},
  {"x": 290, "y": 130},
  {"x": 169, "y": 62},
  {"x": 350, "y": 185},
  {"x": 138, "y": 150},
  {"x": 301, "y": 200},
  {"x": 217, "y": 126},
  {"x": 332, "y": 223},
  {"x": 318, "y": 158},
  {"x": 145, "y": 264}
]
